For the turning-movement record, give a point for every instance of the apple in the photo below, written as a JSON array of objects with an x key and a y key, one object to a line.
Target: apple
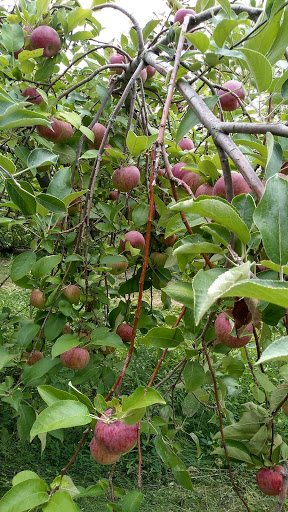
[
  {"x": 16, "y": 54},
  {"x": 66, "y": 329},
  {"x": 136, "y": 240},
  {"x": 102, "y": 456},
  {"x": 125, "y": 332},
  {"x": 117, "y": 58},
  {"x": 119, "y": 267},
  {"x": 126, "y": 178},
  {"x": 228, "y": 101},
  {"x": 192, "y": 179},
  {"x": 284, "y": 168},
  {"x": 113, "y": 195},
  {"x": 181, "y": 13},
  {"x": 169, "y": 241},
  {"x": 285, "y": 408},
  {"x": 223, "y": 329},
  {"x": 72, "y": 292},
  {"x": 37, "y": 299},
  {"x": 150, "y": 71},
  {"x": 99, "y": 132},
  {"x": 35, "y": 357},
  {"x": 47, "y": 38},
  {"x": 76, "y": 358},
  {"x": 269, "y": 480},
  {"x": 204, "y": 190},
  {"x": 74, "y": 206},
  {"x": 113, "y": 435},
  {"x": 143, "y": 75},
  {"x": 32, "y": 95},
  {"x": 161, "y": 172},
  {"x": 158, "y": 258},
  {"x": 239, "y": 185},
  {"x": 59, "y": 131},
  {"x": 177, "y": 170},
  {"x": 186, "y": 144}
]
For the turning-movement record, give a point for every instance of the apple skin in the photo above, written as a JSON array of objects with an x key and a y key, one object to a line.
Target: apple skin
[
  {"x": 117, "y": 58},
  {"x": 186, "y": 144},
  {"x": 285, "y": 408},
  {"x": 37, "y": 299},
  {"x": 150, "y": 71},
  {"x": 125, "y": 332},
  {"x": 269, "y": 480},
  {"x": 169, "y": 241},
  {"x": 59, "y": 131},
  {"x": 181, "y": 13},
  {"x": 126, "y": 178},
  {"x": 143, "y": 75},
  {"x": 284, "y": 168},
  {"x": 223, "y": 328},
  {"x": 158, "y": 258},
  {"x": 135, "y": 238},
  {"x": 115, "y": 437},
  {"x": 74, "y": 206},
  {"x": 45, "y": 37},
  {"x": 239, "y": 185},
  {"x": 76, "y": 358},
  {"x": 102, "y": 456},
  {"x": 66, "y": 329},
  {"x": 113, "y": 195},
  {"x": 204, "y": 190},
  {"x": 161, "y": 172},
  {"x": 119, "y": 267},
  {"x": 192, "y": 179},
  {"x": 72, "y": 292},
  {"x": 228, "y": 101},
  {"x": 32, "y": 95},
  {"x": 99, "y": 131},
  {"x": 36, "y": 356},
  {"x": 177, "y": 170}
]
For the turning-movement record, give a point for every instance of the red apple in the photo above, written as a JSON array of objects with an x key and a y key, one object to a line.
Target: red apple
[
  {"x": 143, "y": 75},
  {"x": 136, "y": 240},
  {"x": 32, "y": 95},
  {"x": 76, "y": 358},
  {"x": 169, "y": 241},
  {"x": 269, "y": 480},
  {"x": 125, "y": 332},
  {"x": 161, "y": 172},
  {"x": 126, "y": 178},
  {"x": 204, "y": 190},
  {"x": 72, "y": 292},
  {"x": 228, "y": 101},
  {"x": 186, "y": 144},
  {"x": 66, "y": 329},
  {"x": 239, "y": 185},
  {"x": 45, "y": 37},
  {"x": 192, "y": 179},
  {"x": 150, "y": 71},
  {"x": 177, "y": 170},
  {"x": 223, "y": 329},
  {"x": 35, "y": 357},
  {"x": 117, "y": 58},
  {"x": 99, "y": 132},
  {"x": 114, "y": 436},
  {"x": 37, "y": 299},
  {"x": 102, "y": 456},
  {"x": 113, "y": 195},
  {"x": 59, "y": 131},
  {"x": 181, "y": 13}
]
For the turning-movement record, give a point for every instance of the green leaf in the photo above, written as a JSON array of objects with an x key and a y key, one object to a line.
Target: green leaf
[
  {"x": 102, "y": 336},
  {"x": 13, "y": 37},
  {"x": 274, "y": 157},
  {"x": 54, "y": 326},
  {"x": 60, "y": 185},
  {"x": 24, "y": 475},
  {"x": 5, "y": 357},
  {"x": 26, "y": 334},
  {"x": 175, "y": 224},
  {"x": 277, "y": 351},
  {"x": 223, "y": 29},
  {"x": 163, "y": 337},
  {"x": 64, "y": 343},
  {"x": 25, "y": 421},
  {"x": 52, "y": 395},
  {"x": 218, "y": 210},
  {"x": 62, "y": 414},
  {"x": 18, "y": 117},
  {"x": 25, "y": 496},
  {"x": 32, "y": 374},
  {"x": 7, "y": 164},
  {"x": 132, "y": 501},
  {"x": 273, "y": 227},
  {"x": 197, "y": 247},
  {"x": 190, "y": 119},
  {"x": 259, "y": 67},
  {"x": 61, "y": 501},
  {"x": 51, "y": 203},
  {"x": 21, "y": 265},
  {"x": 42, "y": 6},
  {"x": 181, "y": 292},
  {"x": 173, "y": 462},
  {"x": 193, "y": 375},
  {"x": 149, "y": 27},
  {"x": 77, "y": 17},
  {"x": 225, "y": 4},
  {"x": 222, "y": 235},
  {"x": 245, "y": 205},
  {"x": 23, "y": 199},
  {"x": 39, "y": 157},
  {"x": 45, "y": 265},
  {"x": 142, "y": 397},
  {"x": 136, "y": 144},
  {"x": 198, "y": 39}
]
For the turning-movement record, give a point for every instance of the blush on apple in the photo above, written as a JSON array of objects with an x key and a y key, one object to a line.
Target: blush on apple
[
  {"x": 135, "y": 238},
  {"x": 47, "y": 38},
  {"x": 102, "y": 456},
  {"x": 239, "y": 185},
  {"x": 59, "y": 131},
  {"x": 269, "y": 480},
  {"x": 113, "y": 435},
  {"x": 126, "y": 178},
  {"x": 223, "y": 329},
  {"x": 228, "y": 101},
  {"x": 75, "y": 358}
]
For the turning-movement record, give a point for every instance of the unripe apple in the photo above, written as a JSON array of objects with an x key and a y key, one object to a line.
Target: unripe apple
[
  {"x": 181, "y": 13},
  {"x": 76, "y": 358},
  {"x": 177, "y": 170},
  {"x": 126, "y": 178},
  {"x": 223, "y": 329},
  {"x": 269, "y": 480},
  {"x": 113, "y": 195},
  {"x": 99, "y": 132},
  {"x": 45, "y": 37},
  {"x": 136, "y": 240},
  {"x": 150, "y": 71},
  {"x": 192, "y": 179},
  {"x": 72, "y": 292},
  {"x": 115, "y": 436},
  {"x": 32, "y": 95},
  {"x": 186, "y": 144},
  {"x": 117, "y": 58},
  {"x": 37, "y": 299},
  {"x": 125, "y": 332},
  {"x": 239, "y": 185},
  {"x": 119, "y": 267},
  {"x": 228, "y": 101},
  {"x": 143, "y": 75},
  {"x": 35, "y": 357},
  {"x": 204, "y": 190},
  {"x": 102, "y": 456},
  {"x": 158, "y": 258},
  {"x": 59, "y": 131},
  {"x": 74, "y": 206},
  {"x": 169, "y": 241}
]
